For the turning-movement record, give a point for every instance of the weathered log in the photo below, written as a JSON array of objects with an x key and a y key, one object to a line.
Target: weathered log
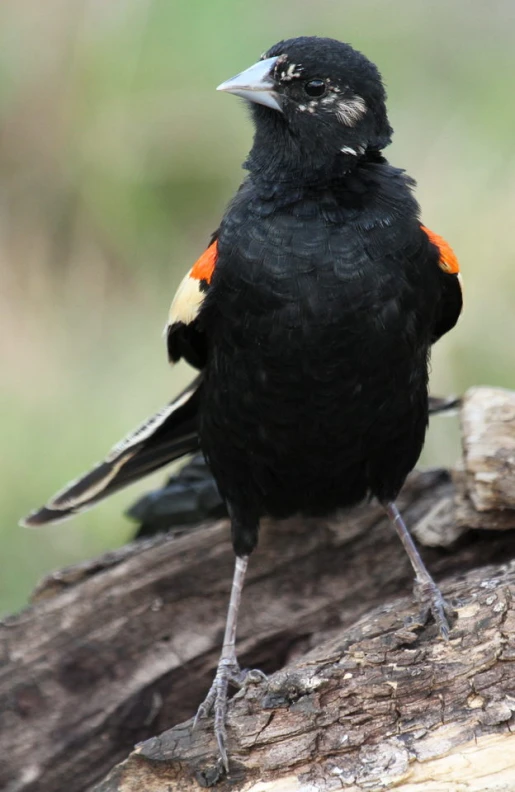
[
  {"x": 378, "y": 706},
  {"x": 488, "y": 424},
  {"x": 123, "y": 647}
]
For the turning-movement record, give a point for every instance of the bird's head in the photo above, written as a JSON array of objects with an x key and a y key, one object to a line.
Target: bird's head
[{"x": 318, "y": 106}]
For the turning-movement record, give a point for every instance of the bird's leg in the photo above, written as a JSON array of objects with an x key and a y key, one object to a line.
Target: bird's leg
[
  {"x": 426, "y": 590},
  {"x": 228, "y": 670}
]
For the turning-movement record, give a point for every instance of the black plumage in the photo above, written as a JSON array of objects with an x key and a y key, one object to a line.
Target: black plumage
[
  {"x": 320, "y": 319},
  {"x": 311, "y": 315}
]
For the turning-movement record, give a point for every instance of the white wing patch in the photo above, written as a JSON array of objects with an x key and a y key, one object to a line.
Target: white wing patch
[
  {"x": 187, "y": 301},
  {"x": 192, "y": 289}
]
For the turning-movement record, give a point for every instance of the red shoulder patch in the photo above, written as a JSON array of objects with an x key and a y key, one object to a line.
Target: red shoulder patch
[
  {"x": 205, "y": 265},
  {"x": 448, "y": 260}
]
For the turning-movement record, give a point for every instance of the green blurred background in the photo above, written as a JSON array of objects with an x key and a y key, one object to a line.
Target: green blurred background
[{"x": 116, "y": 160}]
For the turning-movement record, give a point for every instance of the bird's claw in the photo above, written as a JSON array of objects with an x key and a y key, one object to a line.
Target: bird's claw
[
  {"x": 253, "y": 676},
  {"x": 228, "y": 672},
  {"x": 433, "y": 603}
]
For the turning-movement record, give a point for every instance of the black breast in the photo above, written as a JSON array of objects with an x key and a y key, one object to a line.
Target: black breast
[{"x": 319, "y": 320}]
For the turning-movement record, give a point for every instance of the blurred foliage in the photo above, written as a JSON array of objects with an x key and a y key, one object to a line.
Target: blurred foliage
[{"x": 116, "y": 160}]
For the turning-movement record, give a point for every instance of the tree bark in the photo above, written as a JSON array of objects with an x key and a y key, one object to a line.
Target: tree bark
[
  {"x": 119, "y": 649},
  {"x": 377, "y": 706}
]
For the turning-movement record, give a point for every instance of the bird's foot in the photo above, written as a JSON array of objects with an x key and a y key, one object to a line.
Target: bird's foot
[
  {"x": 429, "y": 596},
  {"x": 228, "y": 672}
]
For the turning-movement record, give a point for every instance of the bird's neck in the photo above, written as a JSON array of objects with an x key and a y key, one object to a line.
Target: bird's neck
[
  {"x": 281, "y": 159},
  {"x": 269, "y": 169}
]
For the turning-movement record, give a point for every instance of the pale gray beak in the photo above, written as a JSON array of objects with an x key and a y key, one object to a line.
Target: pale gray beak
[{"x": 255, "y": 84}]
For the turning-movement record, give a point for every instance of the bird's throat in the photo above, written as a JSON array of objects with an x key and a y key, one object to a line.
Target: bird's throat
[{"x": 279, "y": 156}]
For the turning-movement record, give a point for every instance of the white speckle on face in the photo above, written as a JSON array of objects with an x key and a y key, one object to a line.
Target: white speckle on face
[
  {"x": 292, "y": 72},
  {"x": 349, "y": 111},
  {"x": 302, "y": 108}
]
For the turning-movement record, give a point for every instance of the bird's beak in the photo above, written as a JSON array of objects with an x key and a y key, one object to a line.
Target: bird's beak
[{"x": 255, "y": 84}]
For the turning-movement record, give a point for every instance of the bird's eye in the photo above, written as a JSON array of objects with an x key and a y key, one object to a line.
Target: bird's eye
[{"x": 315, "y": 88}]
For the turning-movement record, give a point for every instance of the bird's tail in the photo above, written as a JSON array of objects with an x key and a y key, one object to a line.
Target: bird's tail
[{"x": 169, "y": 434}]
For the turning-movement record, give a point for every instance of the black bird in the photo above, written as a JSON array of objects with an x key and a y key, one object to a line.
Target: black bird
[{"x": 311, "y": 317}]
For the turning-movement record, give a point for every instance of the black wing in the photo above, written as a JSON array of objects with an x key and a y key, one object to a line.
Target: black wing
[{"x": 168, "y": 435}]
